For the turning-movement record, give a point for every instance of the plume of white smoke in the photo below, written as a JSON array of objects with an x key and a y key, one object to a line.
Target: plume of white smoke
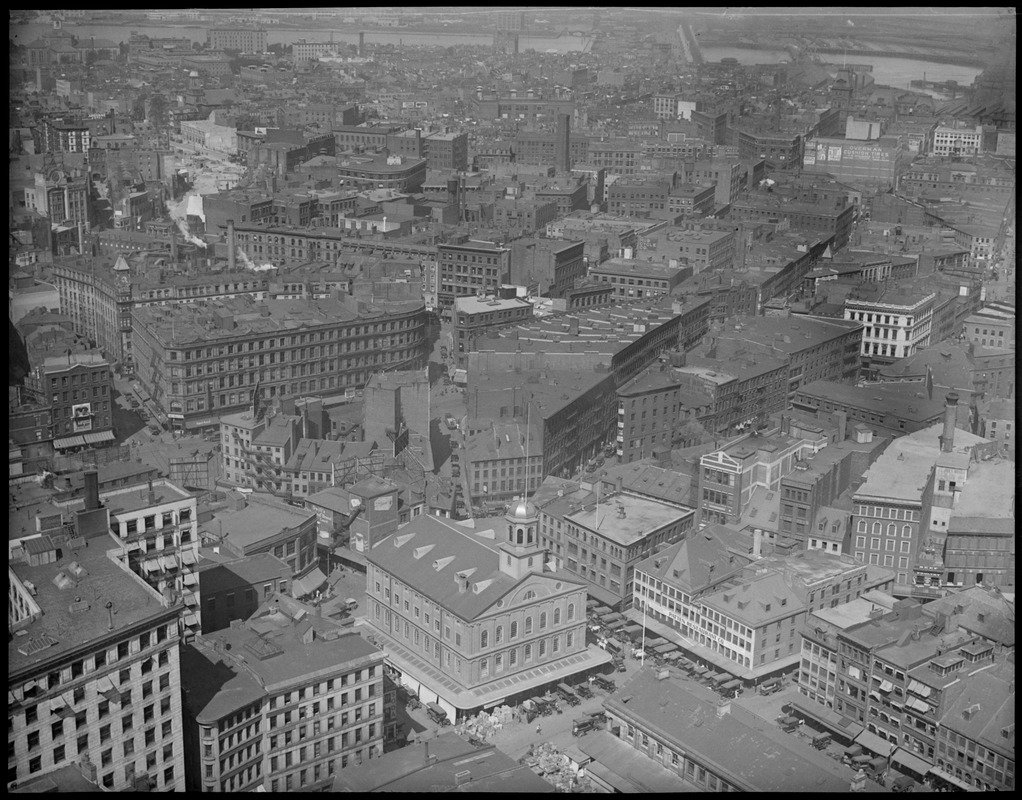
[{"x": 252, "y": 266}]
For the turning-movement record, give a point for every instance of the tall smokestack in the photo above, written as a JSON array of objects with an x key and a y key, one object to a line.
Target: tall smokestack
[
  {"x": 231, "y": 255},
  {"x": 947, "y": 439},
  {"x": 361, "y": 43},
  {"x": 562, "y": 155},
  {"x": 173, "y": 246},
  {"x": 91, "y": 490}
]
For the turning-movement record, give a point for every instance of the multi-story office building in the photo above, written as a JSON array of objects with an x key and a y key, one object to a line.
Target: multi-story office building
[
  {"x": 295, "y": 700},
  {"x": 256, "y": 447},
  {"x": 957, "y": 141},
  {"x": 155, "y": 525},
  {"x": 902, "y": 509},
  {"x": 474, "y": 618},
  {"x": 737, "y": 612},
  {"x": 66, "y": 403},
  {"x": 907, "y": 674},
  {"x": 725, "y": 174},
  {"x": 891, "y": 409},
  {"x": 600, "y": 539},
  {"x": 62, "y": 198},
  {"x": 198, "y": 363},
  {"x": 809, "y": 492},
  {"x": 976, "y": 737},
  {"x": 895, "y": 324},
  {"x": 473, "y": 317},
  {"x": 638, "y": 197},
  {"x": 783, "y": 150},
  {"x": 804, "y": 217},
  {"x": 547, "y": 267},
  {"x": 92, "y": 671},
  {"x": 691, "y": 199},
  {"x": 877, "y": 163},
  {"x": 815, "y": 349},
  {"x": 635, "y": 279},
  {"x": 447, "y": 151},
  {"x": 652, "y": 408},
  {"x": 259, "y": 523},
  {"x": 238, "y": 586},
  {"x": 503, "y": 460},
  {"x": 471, "y": 268},
  {"x": 701, "y": 250},
  {"x": 742, "y": 390},
  {"x": 728, "y": 477},
  {"x": 247, "y": 40},
  {"x": 991, "y": 327},
  {"x": 70, "y": 135}
]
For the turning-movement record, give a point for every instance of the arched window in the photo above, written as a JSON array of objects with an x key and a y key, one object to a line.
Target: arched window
[
  {"x": 484, "y": 639},
  {"x": 498, "y": 635},
  {"x": 528, "y": 625},
  {"x": 892, "y": 530},
  {"x": 521, "y": 536},
  {"x": 571, "y": 611},
  {"x": 557, "y": 616},
  {"x": 528, "y": 652},
  {"x": 906, "y": 531},
  {"x": 542, "y": 620},
  {"x": 877, "y": 527},
  {"x": 514, "y": 630}
]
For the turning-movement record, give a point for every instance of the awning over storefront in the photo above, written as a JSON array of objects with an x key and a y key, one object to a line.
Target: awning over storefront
[
  {"x": 150, "y": 565},
  {"x": 839, "y": 724},
  {"x": 911, "y": 761},
  {"x": 190, "y": 599},
  {"x": 68, "y": 441},
  {"x": 168, "y": 562},
  {"x": 191, "y": 579},
  {"x": 188, "y": 557},
  {"x": 947, "y": 776},
  {"x": 309, "y": 583},
  {"x": 191, "y": 619},
  {"x": 886, "y": 686},
  {"x": 101, "y": 436},
  {"x": 875, "y": 744}
]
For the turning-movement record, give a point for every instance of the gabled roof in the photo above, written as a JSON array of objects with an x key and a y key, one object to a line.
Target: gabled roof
[
  {"x": 429, "y": 553},
  {"x": 700, "y": 560}
]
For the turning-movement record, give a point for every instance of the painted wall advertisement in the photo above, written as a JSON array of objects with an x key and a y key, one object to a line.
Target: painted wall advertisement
[{"x": 81, "y": 417}]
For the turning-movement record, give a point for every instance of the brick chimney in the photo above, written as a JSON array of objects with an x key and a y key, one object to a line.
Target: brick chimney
[{"x": 947, "y": 439}]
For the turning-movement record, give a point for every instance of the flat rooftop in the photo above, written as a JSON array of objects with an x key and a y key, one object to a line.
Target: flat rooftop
[
  {"x": 477, "y": 305},
  {"x": 261, "y": 519},
  {"x": 640, "y": 517},
  {"x": 989, "y": 490},
  {"x": 848, "y": 614},
  {"x": 65, "y": 625},
  {"x": 902, "y": 470}
]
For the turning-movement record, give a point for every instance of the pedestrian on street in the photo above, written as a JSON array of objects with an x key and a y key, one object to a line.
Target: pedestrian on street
[{"x": 539, "y": 729}]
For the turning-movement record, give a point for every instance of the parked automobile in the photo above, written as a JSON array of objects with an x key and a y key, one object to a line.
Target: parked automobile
[
  {"x": 569, "y": 696},
  {"x": 584, "y": 725},
  {"x": 437, "y": 714},
  {"x": 606, "y": 684}
]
